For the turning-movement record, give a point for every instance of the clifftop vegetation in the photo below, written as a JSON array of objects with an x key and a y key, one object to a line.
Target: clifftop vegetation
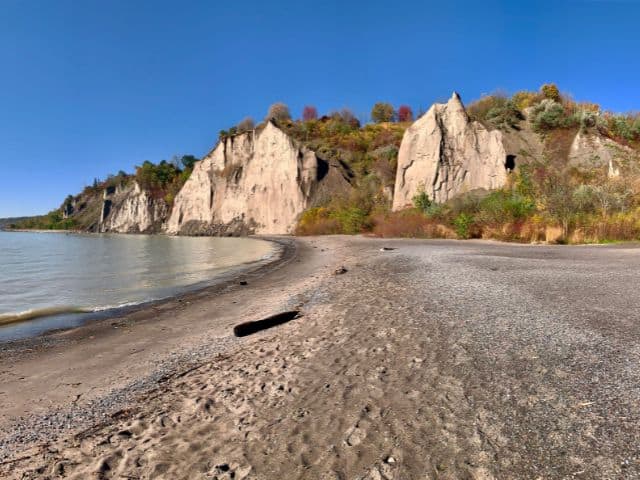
[{"x": 549, "y": 109}]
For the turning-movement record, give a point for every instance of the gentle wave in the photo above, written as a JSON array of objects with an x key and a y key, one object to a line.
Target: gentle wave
[
  {"x": 6, "y": 318},
  {"x": 121, "y": 305}
]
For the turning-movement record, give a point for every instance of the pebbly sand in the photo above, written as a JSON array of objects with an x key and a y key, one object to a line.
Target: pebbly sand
[{"x": 434, "y": 360}]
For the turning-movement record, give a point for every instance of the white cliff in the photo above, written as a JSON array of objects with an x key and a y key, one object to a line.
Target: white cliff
[
  {"x": 590, "y": 150},
  {"x": 256, "y": 182},
  {"x": 130, "y": 209},
  {"x": 445, "y": 154}
]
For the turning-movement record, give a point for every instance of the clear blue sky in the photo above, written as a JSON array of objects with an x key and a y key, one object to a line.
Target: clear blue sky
[{"x": 91, "y": 87}]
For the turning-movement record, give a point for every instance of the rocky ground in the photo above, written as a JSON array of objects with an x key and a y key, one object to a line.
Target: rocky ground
[{"x": 432, "y": 360}]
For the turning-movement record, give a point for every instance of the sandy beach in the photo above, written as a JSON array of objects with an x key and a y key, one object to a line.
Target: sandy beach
[{"x": 425, "y": 360}]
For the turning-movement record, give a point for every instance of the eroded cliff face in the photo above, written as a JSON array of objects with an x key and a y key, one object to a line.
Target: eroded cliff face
[
  {"x": 447, "y": 154},
  {"x": 130, "y": 209},
  {"x": 592, "y": 151},
  {"x": 256, "y": 182}
]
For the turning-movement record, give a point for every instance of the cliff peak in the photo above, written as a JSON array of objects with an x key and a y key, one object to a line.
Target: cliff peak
[{"x": 444, "y": 154}]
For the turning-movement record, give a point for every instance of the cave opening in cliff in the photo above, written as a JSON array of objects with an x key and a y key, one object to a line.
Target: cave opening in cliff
[
  {"x": 510, "y": 163},
  {"x": 323, "y": 169}
]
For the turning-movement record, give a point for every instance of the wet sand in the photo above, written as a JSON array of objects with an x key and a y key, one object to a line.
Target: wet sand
[{"x": 434, "y": 360}]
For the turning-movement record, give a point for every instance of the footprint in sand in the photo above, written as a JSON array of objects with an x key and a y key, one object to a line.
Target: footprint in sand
[{"x": 356, "y": 436}]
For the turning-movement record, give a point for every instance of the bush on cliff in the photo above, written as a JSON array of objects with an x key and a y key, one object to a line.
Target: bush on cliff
[
  {"x": 278, "y": 112},
  {"x": 496, "y": 110}
]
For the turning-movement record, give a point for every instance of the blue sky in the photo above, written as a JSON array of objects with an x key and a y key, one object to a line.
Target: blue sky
[{"x": 91, "y": 87}]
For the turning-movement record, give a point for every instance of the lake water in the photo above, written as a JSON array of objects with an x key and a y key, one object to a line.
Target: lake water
[{"x": 59, "y": 280}]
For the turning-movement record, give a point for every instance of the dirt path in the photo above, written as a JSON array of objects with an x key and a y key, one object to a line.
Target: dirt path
[{"x": 436, "y": 360}]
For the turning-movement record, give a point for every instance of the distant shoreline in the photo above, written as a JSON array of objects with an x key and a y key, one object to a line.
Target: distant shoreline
[{"x": 36, "y": 230}]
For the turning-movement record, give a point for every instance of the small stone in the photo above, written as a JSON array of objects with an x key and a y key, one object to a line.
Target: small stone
[
  {"x": 243, "y": 282},
  {"x": 391, "y": 460},
  {"x": 340, "y": 271}
]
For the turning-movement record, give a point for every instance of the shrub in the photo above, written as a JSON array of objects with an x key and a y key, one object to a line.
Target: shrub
[
  {"x": 279, "y": 112},
  {"x": 246, "y": 124},
  {"x": 623, "y": 127},
  {"x": 316, "y": 221},
  {"x": 635, "y": 127},
  {"x": 505, "y": 115},
  {"x": 348, "y": 219},
  {"x": 502, "y": 206},
  {"x": 588, "y": 119},
  {"x": 408, "y": 223},
  {"x": 462, "y": 224},
  {"x": 524, "y": 99},
  {"x": 422, "y": 201},
  {"x": 479, "y": 109},
  {"x": 382, "y": 112},
  {"x": 551, "y": 92},
  {"x": 349, "y": 118},
  {"x": 549, "y": 115},
  {"x": 584, "y": 198},
  {"x": 352, "y": 219}
]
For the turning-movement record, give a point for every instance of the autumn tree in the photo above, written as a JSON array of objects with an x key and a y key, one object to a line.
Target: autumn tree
[
  {"x": 382, "y": 112},
  {"x": 309, "y": 113},
  {"x": 347, "y": 116},
  {"x": 405, "y": 114},
  {"x": 246, "y": 124},
  {"x": 279, "y": 112}
]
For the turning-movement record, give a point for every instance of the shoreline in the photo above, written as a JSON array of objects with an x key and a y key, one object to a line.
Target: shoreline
[
  {"x": 286, "y": 250},
  {"x": 30, "y": 349},
  {"x": 90, "y": 314}
]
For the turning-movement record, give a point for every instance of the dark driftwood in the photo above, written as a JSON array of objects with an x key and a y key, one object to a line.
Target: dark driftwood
[{"x": 247, "y": 328}]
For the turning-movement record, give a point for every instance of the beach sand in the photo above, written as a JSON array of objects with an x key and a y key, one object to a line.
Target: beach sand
[{"x": 431, "y": 360}]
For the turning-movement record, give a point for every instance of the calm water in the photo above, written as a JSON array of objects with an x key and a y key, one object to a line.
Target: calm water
[{"x": 56, "y": 280}]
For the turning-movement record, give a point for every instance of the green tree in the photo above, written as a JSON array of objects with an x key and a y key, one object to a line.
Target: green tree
[{"x": 188, "y": 161}]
